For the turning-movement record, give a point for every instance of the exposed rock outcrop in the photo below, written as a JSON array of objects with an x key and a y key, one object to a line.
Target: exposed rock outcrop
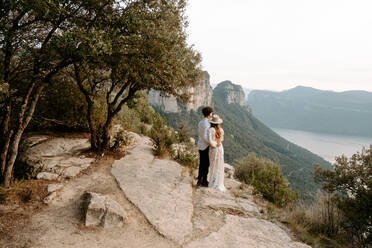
[
  {"x": 158, "y": 189},
  {"x": 200, "y": 217},
  {"x": 201, "y": 95},
  {"x": 161, "y": 195},
  {"x": 231, "y": 93},
  {"x": 101, "y": 210},
  {"x": 52, "y": 158}
]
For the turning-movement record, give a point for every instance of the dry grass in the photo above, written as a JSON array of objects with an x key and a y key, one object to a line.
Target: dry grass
[
  {"x": 317, "y": 223},
  {"x": 19, "y": 203}
]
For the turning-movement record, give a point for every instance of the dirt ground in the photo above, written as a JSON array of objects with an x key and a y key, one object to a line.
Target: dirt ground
[{"x": 30, "y": 223}]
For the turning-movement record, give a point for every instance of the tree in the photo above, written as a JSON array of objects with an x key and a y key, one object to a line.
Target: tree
[
  {"x": 351, "y": 179},
  {"x": 139, "y": 45},
  {"x": 266, "y": 178},
  {"x": 32, "y": 54}
]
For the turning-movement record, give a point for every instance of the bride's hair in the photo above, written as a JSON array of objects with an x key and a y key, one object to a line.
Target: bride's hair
[{"x": 217, "y": 127}]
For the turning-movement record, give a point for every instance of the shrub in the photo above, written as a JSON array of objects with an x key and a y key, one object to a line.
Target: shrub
[
  {"x": 184, "y": 132},
  {"x": 266, "y": 178},
  {"x": 186, "y": 154},
  {"x": 121, "y": 139},
  {"x": 163, "y": 137}
]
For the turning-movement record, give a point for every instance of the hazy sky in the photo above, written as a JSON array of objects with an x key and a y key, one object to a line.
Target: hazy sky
[{"x": 278, "y": 44}]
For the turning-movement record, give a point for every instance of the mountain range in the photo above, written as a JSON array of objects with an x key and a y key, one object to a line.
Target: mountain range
[{"x": 309, "y": 109}]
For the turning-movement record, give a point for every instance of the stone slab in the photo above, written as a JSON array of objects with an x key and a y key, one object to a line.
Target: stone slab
[
  {"x": 158, "y": 189},
  {"x": 241, "y": 232}
]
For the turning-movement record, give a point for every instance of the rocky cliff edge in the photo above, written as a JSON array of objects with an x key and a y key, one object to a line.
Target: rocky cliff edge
[{"x": 162, "y": 206}]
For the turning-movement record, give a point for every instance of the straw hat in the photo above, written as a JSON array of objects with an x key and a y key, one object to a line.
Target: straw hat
[{"x": 215, "y": 119}]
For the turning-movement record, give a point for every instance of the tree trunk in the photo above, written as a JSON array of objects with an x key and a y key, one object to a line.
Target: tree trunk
[
  {"x": 4, "y": 152},
  {"x": 24, "y": 119},
  {"x": 106, "y": 138},
  {"x": 6, "y": 138},
  {"x": 93, "y": 135},
  {"x": 13, "y": 152}
]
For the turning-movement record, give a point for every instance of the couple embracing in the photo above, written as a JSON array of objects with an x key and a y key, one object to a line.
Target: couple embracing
[{"x": 210, "y": 137}]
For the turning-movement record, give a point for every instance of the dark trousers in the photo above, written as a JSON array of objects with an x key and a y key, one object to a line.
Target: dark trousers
[{"x": 203, "y": 166}]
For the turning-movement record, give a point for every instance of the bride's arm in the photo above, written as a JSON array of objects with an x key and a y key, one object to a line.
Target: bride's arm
[
  {"x": 211, "y": 139},
  {"x": 223, "y": 134}
]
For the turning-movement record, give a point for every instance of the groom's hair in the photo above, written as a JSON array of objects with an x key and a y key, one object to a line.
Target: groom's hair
[{"x": 207, "y": 110}]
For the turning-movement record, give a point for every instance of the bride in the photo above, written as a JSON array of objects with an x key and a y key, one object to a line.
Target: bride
[{"x": 216, "y": 173}]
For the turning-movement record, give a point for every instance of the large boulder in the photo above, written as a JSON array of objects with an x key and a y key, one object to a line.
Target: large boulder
[{"x": 101, "y": 210}]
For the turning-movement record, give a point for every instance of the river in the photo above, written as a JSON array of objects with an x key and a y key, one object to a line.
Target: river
[{"x": 328, "y": 146}]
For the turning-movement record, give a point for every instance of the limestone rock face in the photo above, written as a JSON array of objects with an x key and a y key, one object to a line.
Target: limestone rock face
[
  {"x": 230, "y": 93},
  {"x": 102, "y": 210},
  {"x": 167, "y": 104},
  {"x": 201, "y": 95}
]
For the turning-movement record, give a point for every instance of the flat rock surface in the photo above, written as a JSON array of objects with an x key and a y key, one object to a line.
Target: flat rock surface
[
  {"x": 159, "y": 190},
  {"x": 57, "y": 156},
  {"x": 241, "y": 232},
  {"x": 226, "y": 202}
]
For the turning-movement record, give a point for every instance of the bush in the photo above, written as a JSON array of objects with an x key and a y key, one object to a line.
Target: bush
[
  {"x": 266, "y": 178},
  {"x": 186, "y": 154},
  {"x": 121, "y": 138},
  {"x": 163, "y": 138}
]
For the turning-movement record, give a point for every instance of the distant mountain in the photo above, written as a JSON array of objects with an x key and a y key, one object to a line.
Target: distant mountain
[
  {"x": 245, "y": 134},
  {"x": 309, "y": 109}
]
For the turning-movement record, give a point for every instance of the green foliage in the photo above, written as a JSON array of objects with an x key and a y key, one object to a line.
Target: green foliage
[
  {"x": 266, "y": 178},
  {"x": 121, "y": 139},
  {"x": 351, "y": 178},
  {"x": 138, "y": 45},
  {"x": 184, "y": 132},
  {"x": 186, "y": 154},
  {"x": 136, "y": 114},
  {"x": 61, "y": 107},
  {"x": 163, "y": 138}
]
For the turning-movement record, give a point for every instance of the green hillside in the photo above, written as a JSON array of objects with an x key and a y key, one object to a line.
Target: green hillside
[
  {"x": 244, "y": 134},
  {"x": 308, "y": 109}
]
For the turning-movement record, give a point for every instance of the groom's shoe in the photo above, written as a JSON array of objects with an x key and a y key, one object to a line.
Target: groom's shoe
[
  {"x": 199, "y": 183},
  {"x": 204, "y": 184}
]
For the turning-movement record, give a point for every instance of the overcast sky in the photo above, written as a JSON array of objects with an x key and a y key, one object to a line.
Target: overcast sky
[{"x": 279, "y": 44}]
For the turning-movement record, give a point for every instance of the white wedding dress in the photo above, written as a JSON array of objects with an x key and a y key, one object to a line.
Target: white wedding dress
[{"x": 216, "y": 172}]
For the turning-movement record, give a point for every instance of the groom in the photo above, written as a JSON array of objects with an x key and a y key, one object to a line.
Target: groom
[{"x": 203, "y": 146}]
